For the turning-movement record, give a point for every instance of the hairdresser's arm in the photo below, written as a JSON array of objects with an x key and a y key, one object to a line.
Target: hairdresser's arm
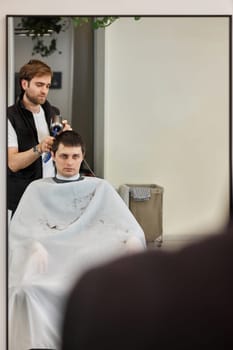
[{"x": 20, "y": 160}]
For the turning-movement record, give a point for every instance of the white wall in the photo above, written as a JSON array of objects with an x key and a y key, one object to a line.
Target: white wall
[
  {"x": 75, "y": 7},
  {"x": 167, "y": 115}
]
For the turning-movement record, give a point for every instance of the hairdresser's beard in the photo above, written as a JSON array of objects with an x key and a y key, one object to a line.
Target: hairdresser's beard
[{"x": 36, "y": 100}]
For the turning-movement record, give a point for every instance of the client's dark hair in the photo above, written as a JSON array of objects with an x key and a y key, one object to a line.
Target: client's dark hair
[{"x": 68, "y": 138}]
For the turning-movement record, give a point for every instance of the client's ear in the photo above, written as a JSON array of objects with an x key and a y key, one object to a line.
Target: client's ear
[{"x": 53, "y": 155}]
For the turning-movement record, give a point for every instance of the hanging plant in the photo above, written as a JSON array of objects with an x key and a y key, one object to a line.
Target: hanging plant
[
  {"x": 43, "y": 30},
  {"x": 97, "y": 22},
  {"x": 41, "y": 27}
]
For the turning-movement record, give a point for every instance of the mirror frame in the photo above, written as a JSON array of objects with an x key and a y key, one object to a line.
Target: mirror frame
[{"x": 230, "y": 131}]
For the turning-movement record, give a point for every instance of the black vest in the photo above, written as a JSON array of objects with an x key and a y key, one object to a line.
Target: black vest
[{"x": 23, "y": 122}]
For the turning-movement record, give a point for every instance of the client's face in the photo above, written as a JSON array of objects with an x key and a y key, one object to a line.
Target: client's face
[{"x": 68, "y": 160}]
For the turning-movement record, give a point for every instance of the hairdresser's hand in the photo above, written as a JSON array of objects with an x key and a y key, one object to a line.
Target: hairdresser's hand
[
  {"x": 66, "y": 126},
  {"x": 46, "y": 144}
]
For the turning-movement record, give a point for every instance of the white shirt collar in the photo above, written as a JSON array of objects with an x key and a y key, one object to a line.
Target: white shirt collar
[{"x": 71, "y": 178}]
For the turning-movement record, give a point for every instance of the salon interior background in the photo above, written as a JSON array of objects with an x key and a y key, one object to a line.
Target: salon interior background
[
  {"x": 77, "y": 7},
  {"x": 157, "y": 109}
]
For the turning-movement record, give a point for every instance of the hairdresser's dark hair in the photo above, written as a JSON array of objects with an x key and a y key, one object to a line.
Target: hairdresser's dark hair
[
  {"x": 69, "y": 138},
  {"x": 34, "y": 68}
]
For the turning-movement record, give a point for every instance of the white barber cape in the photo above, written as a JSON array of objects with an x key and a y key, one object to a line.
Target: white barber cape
[{"x": 58, "y": 231}]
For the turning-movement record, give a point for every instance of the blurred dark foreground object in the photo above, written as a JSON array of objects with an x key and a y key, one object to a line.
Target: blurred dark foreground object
[{"x": 156, "y": 300}]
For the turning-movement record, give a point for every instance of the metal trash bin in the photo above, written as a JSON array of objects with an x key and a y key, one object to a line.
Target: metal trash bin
[{"x": 147, "y": 211}]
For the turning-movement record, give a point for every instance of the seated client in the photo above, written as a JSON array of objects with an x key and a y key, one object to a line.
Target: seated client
[{"x": 62, "y": 227}]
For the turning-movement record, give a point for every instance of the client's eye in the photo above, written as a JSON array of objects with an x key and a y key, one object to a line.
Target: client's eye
[
  {"x": 63, "y": 156},
  {"x": 76, "y": 156}
]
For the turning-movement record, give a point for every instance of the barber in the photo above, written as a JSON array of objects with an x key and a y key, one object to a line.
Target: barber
[{"x": 29, "y": 135}]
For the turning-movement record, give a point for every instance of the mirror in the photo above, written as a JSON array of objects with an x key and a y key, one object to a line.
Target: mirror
[{"x": 154, "y": 108}]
